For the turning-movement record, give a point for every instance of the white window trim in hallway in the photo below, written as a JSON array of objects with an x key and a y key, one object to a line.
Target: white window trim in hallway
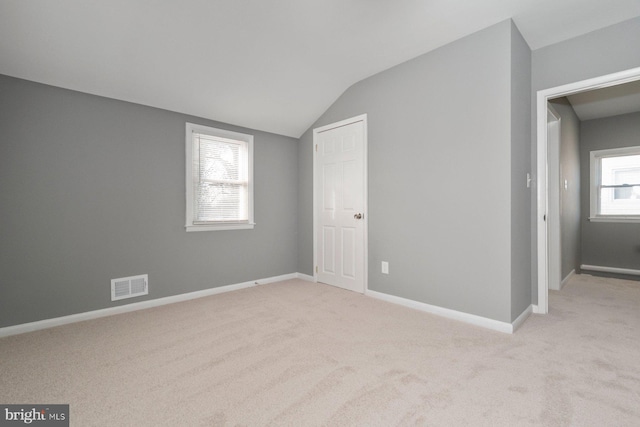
[{"x": 603, "y": 206}]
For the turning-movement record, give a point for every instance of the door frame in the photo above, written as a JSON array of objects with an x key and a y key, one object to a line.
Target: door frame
[
  {"x": 554, "y": 222},
  {"x": 316, "y": 181},
  {"x": 543, "y": 96}
]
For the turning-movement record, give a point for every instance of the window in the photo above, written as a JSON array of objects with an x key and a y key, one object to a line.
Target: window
[
  {"x": 219, "y": 165},
  {"x": 615, "y": 185}
]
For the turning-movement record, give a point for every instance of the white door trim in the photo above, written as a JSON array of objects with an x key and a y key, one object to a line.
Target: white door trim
[
  {"x": 543, "y": 97},
  {"x": 361, "y": 118},
  {"x": 554, "y": 124}
]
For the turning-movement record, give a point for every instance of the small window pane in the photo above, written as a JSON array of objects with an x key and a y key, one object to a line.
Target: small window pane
[
  {"x": 219, "y": 161},
  {"x": 620, "y": 201},
  {"x": 626, "y": 193},
  {"x": 620, "y": 170},
  {"x": 220, "y": 202}
]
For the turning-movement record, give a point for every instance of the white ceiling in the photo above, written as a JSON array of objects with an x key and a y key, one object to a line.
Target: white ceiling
[
  {"x": 611, "y": 101},
  {"x": 270, "y": 65}
]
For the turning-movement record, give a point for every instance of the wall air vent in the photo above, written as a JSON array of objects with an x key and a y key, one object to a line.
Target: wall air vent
[{"x": 129, "y": 287}]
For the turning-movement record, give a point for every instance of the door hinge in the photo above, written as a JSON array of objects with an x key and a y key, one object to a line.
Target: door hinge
[
  {"x": 316, "y": 268},
  {"x": 316, "y": 147}
]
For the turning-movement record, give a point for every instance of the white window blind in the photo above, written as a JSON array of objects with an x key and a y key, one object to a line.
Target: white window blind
[{"x": 219, "y": 179}]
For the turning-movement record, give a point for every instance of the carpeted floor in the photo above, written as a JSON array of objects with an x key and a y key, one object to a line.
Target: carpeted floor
[{"x": 301, "y": 354}]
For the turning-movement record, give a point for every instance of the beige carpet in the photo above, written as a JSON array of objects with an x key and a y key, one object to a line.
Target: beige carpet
[{"x": 302, "y": 354}]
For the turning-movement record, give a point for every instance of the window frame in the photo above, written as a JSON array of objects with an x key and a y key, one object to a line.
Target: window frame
[
  {"x": 190, "y": 178},
  {"x": 595, "y": 163}
]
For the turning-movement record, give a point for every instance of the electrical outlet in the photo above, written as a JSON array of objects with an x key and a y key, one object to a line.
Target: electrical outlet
[{"x": 385, "y": 267}]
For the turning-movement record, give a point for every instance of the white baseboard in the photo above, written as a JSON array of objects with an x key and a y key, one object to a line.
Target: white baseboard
[
  {"x": 440, "y": 311},
  {"x": 79, "y": 317},
  {"x": 520, "y": 320},
  {"x": 306, "y": 277},
  {"x": 453, "y": 314},
  {"x": 566, "y": 279},
  {"x": 536, "y": 309},
  {"x": 610, "y": 269},
  {"x": 273, "y": 279}
]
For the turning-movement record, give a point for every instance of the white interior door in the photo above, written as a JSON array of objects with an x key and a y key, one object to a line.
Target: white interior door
[{"x": 339, "y": 204}]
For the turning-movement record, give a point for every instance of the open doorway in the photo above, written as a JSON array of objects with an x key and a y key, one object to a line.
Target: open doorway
[{"x": 548, "y": 257}]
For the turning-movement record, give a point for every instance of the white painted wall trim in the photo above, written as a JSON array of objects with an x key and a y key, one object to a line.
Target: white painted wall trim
[
  {"x": 483, "y": 322},
  {"x": 566, "y": 279},
  {"x": 554, "y": 243},
  {"x": 536, "y": 309},
  {"x": 306, "y": 277},
  {"x": 96, "y": 314},
  {"x": 610, "y": 269},
  {"x": 79, "y": 317},
  {"x": 520, "y": 320}
]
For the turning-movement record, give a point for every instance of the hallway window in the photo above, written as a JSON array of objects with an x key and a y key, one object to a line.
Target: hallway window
[{"x": 615, "y": 184}]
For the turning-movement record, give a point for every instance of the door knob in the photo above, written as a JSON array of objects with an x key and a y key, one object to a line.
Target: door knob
[{"x": 358, "y": 216}]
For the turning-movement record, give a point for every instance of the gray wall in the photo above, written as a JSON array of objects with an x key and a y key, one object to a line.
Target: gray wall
[
  {"x": 93, "y": 189},
  {"x": 520, "y": 166},
  {"x": 440, "y": 175},
  {"x": 569, "y": 198},
  {"x": 603, "y": 243},
  {"x": 601, "y": 52}
]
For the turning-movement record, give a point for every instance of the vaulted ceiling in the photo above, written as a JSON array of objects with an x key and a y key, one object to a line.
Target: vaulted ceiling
[{"x": 272, "y": 65}]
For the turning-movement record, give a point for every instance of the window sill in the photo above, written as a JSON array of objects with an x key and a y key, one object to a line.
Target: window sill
[
  {"x": 629, "y": 219},
  {"x": 219, "y": 227}
]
